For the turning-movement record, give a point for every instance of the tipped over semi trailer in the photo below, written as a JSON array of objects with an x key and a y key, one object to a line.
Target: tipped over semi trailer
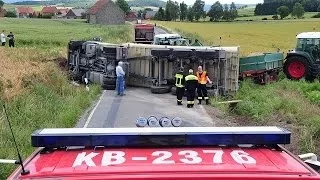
[{"x": 152, "y": 66}]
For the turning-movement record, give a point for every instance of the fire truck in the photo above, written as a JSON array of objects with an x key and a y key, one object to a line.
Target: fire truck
[{"x": 168, "y": 152}]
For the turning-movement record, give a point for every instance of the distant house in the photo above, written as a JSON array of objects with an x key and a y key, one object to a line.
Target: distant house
[
  {"x": 49, "y": 10},
  {"x": 76, "y": 14},
  {"x": 62, "y": 12},
  {"x": 131, "y": 16},
  {"x": 105, "y": 12},
  {"x": 3, "y": 12},
  {"x": 150, "y": 14},
  {"x": 24, "y": 12}
]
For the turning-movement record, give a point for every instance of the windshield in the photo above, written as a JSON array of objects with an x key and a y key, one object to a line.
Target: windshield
[{"x": 307, "y": 44}]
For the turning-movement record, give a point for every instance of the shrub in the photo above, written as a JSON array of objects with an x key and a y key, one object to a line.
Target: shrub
[{"x": 316, "y": 16}]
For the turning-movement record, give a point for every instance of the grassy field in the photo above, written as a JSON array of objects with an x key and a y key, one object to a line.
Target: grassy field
[
  {"x": 248, "y": 11},
  {"x": 37, "y": 93},
  {"x": 56, "y": 33},
  {"x": 290, "y": 104},
  {"x": 11, "y": 7},
  {"x": 250, "y": 36},
  {"x": 307, "y": 16}
]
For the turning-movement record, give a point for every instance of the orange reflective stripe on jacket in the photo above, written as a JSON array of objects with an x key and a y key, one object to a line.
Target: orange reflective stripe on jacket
[{"x": 203, "y": 78}]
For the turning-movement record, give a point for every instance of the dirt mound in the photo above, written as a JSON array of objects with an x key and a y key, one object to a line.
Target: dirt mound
[{"x": 62, "y": 63}]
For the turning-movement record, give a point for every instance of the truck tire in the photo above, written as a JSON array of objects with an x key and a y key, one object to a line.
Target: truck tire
[
  {"x": 296, "y": 68},
  {"x": 109, "y": 81},
  {"x": 211, "y": 92},
  {"x": 174, "y": 91},
  {"x": 109, "y": 87},
  {"x": 160, "y": 90}
]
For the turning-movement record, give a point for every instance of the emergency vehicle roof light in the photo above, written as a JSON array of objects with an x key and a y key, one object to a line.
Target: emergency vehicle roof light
[{"x": 166, "y": 136}]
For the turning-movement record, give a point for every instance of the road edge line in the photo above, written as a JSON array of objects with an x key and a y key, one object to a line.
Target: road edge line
[{"x": 93, "y": 110}]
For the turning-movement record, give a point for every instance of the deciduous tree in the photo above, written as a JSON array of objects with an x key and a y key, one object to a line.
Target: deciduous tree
[
  {"x": 283, "y": 11},
  {"x": 297, "y": 11},
  {"x": 216, "y": 11}
]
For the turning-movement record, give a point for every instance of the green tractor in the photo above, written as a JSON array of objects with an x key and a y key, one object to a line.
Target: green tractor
[{"x": 304, "y": 61}]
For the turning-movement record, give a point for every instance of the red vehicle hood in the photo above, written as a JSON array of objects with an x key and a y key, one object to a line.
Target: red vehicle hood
[{"x": 166, "y": 163}]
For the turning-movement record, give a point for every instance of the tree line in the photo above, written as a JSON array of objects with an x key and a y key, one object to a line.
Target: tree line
[
  {"x": 297, "y": 11},
  {"x": 270, "y": 7},
  {"x": 173, "y": 11}
]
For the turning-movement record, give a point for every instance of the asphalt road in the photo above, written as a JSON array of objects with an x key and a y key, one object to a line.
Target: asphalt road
[
  {"x": 158, "y": 30},
  {"x": 116, "y": 111},
  {"x": 122, "y": 111}
]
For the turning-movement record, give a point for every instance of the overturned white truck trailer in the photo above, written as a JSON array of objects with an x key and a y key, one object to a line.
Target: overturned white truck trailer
[{"x": 153, "y": 66}]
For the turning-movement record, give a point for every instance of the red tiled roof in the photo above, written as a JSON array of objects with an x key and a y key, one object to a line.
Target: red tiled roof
[
  {"x": 98, "y": 6},
  {"x": 49, "y": 10},
  {"x": 24, "y": 10},
  {"x": 64, "y": 10}
]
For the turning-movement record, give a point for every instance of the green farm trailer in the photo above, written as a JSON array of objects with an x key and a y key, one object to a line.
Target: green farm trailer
[{"x": 262, "y": 68}]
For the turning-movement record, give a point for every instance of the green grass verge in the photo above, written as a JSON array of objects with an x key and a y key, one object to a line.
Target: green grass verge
[
  {"x": 52, "y": 104},
  {"x": 44, "y": 98},
  {"x": 294, "y": 103}
]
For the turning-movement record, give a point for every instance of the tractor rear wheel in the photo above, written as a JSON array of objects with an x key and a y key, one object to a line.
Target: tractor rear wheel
[{"x": 296, "y": 68}]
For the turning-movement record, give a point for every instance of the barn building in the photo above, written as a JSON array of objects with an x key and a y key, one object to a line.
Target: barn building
[{"x": 106, "y": 12}]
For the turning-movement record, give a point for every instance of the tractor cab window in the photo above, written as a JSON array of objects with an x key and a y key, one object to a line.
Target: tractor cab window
[
  {"x": 306, "y": 44},
  {"x": 316, "y": 42},
  {"x": 300, "y": 44}
]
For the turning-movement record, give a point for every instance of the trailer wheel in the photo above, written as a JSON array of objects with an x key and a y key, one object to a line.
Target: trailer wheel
[
  {"x": 160, "y": 89},
  {"x": 109, "y": 87},
  {"x": 174, "y": 91},
  {"x": 210, "y": 92},
  {"x": 296, "y": 68},
  {"x": 266, "y": 78},
  {"x": 109, "y": 81}
]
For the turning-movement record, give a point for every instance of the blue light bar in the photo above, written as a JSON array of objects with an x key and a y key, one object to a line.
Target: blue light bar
[{"x": 166, "y": 136}]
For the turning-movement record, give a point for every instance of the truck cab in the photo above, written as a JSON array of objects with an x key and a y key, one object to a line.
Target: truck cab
[
  {"x": 162, "y": 153},
  {"x": 170, "y": 39},
  {"x": 144, "y": 33}
]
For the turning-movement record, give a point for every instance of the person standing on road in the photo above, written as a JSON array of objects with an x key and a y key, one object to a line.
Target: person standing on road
[
  {"x": 11, "y": 39},
  {"x": 203, "y": 79},
  {"x": 180, "y": 81},
  {"x": 3, "y": 39},
  {"x": 191, "y": 82},
  {"x": 120, "y": 78}
]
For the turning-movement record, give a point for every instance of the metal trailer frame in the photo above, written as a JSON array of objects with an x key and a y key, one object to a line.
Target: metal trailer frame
[
  {"x": 153, "y": 66},
  {"x": 264, "y": 68}
]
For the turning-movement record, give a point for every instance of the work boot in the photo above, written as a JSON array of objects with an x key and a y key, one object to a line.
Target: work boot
[
  {"x": 188, "y": 106},
  {"x": 179, "y": 103},
  {"x": 207, "y": 101},
  {"x": 199, "y": 102}
]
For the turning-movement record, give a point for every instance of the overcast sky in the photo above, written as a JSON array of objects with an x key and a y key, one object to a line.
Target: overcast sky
[{"x": 225, "y": 1}]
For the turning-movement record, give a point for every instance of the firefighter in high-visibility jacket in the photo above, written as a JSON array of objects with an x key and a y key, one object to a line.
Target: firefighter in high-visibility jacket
[
  {"x": 180, "y": 81},
  {"x": 191, "y": 86},
  {"x": 203, "y": 79}
]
